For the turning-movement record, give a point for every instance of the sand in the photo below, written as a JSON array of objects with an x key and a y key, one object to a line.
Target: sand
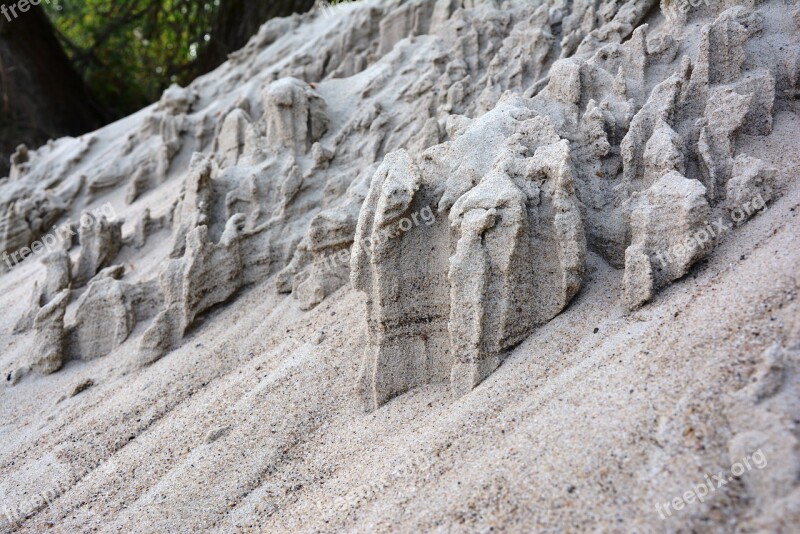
[{"x": 395, "y": 267}]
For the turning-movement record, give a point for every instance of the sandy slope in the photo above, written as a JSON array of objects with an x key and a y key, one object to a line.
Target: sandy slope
[
  {"x": 253, "y": 423},
  {"x": 630, "y": 416}
]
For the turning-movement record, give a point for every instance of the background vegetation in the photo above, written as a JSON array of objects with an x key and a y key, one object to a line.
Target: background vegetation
[
  {"x": 71, "y": 66},
  {"x": 128, "y": 51}
]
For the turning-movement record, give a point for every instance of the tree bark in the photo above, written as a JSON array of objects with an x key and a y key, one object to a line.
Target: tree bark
[{"x": 41, "y": 94}]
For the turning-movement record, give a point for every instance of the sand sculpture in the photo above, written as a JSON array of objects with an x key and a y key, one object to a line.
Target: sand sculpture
[{"x": 534, "y": 134}]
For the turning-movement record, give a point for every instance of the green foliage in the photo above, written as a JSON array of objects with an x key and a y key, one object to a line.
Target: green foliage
[{"x": 129, "y": 51}]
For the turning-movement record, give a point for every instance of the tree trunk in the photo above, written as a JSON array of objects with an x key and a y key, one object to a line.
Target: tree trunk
[
  {"x": 42, "y": 95},
  {"x": 237, "y": 21}
]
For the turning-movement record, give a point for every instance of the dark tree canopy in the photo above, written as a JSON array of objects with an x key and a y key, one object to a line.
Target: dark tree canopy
[{"x": 129, "y": 51}]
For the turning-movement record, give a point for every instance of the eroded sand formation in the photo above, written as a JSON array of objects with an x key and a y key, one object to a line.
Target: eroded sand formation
[{"x": 458, "y": 163}]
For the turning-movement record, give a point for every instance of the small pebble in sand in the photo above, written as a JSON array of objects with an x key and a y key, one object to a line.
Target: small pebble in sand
[
  {"x": 82, "y": 386},
  {"x": 215, "y": 434},
  {"x": 318, "y": 337}
]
